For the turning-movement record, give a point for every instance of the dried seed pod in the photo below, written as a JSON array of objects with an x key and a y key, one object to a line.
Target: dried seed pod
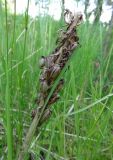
[
  {"x": 46, "y": 61},
  {"x": 53, "y": 99},
  {"x": 56, "y": 51},
  {"x": 49, "y": 61},
  {"x": 66, "y": 54},
  {"x": 74, "y": 45},
  {"x": 80, "y": 18},
  {"x": 62, "y": 36},
  {"x": 68, "y": 16},
  {"x": 73, "y": 39},
  {"x": 55, "y": 57},
  {"x": 45, "y": 74},
  {"x": 40, "y": 99},
  {"x": 59, "y": 86},
  {"x": 55, "y": 70},
  {"x": 42, "y": 62},
  {"x": 44, "y": 86},
  {"x": 65, "y": 50}
]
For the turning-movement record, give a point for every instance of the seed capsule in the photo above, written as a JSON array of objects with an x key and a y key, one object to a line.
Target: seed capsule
[
  {"x": 74, "y": 45},
  {"x": 49, "y": 61},
  {"x": 59, "y": 86},
  {"x": 42, "y": 62},
  {"x": 44, "y": 86},
  {"x": 40, "y": 99},
  {"x": 68, "y": 16},
  {"x": 80, "y": 17},
  {"x": 53, "y": 99},
  {"x": 55, "y": 70}
]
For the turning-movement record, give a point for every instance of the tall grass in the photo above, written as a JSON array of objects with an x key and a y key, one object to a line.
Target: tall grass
[
  {"x": 81, "y": 123},
  {"x": 7, "y": 95}
]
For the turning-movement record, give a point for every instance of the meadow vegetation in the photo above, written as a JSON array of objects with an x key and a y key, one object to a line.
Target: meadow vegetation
[{"x": 80, "y": 127}]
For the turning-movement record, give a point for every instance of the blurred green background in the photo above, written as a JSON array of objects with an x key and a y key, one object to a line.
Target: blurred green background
[{"x": 81, "y": 125}]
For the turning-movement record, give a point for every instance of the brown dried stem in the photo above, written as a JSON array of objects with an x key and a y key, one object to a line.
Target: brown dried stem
[{"x": 52, "y": 67}]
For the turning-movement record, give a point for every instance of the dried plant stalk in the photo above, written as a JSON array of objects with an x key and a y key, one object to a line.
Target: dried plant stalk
[{"x": 52, "y": 67}]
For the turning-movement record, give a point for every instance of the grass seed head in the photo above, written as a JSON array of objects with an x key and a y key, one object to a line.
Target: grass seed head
[{"x": 52, "y": 65}]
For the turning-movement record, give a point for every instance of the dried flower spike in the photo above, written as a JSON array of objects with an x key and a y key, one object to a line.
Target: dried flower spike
[
  {"x": 53, "y": 64},
  {"x": 51, "y": 67}
]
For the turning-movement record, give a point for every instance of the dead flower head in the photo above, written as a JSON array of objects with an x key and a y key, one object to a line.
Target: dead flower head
[{"x": 52, "y": 65}]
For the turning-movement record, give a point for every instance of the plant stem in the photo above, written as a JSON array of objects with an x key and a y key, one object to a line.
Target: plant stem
[{"x": 8, "y": 114}]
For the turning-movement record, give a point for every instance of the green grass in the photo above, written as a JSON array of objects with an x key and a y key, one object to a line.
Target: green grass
[{"x": 81, "y": 123}]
